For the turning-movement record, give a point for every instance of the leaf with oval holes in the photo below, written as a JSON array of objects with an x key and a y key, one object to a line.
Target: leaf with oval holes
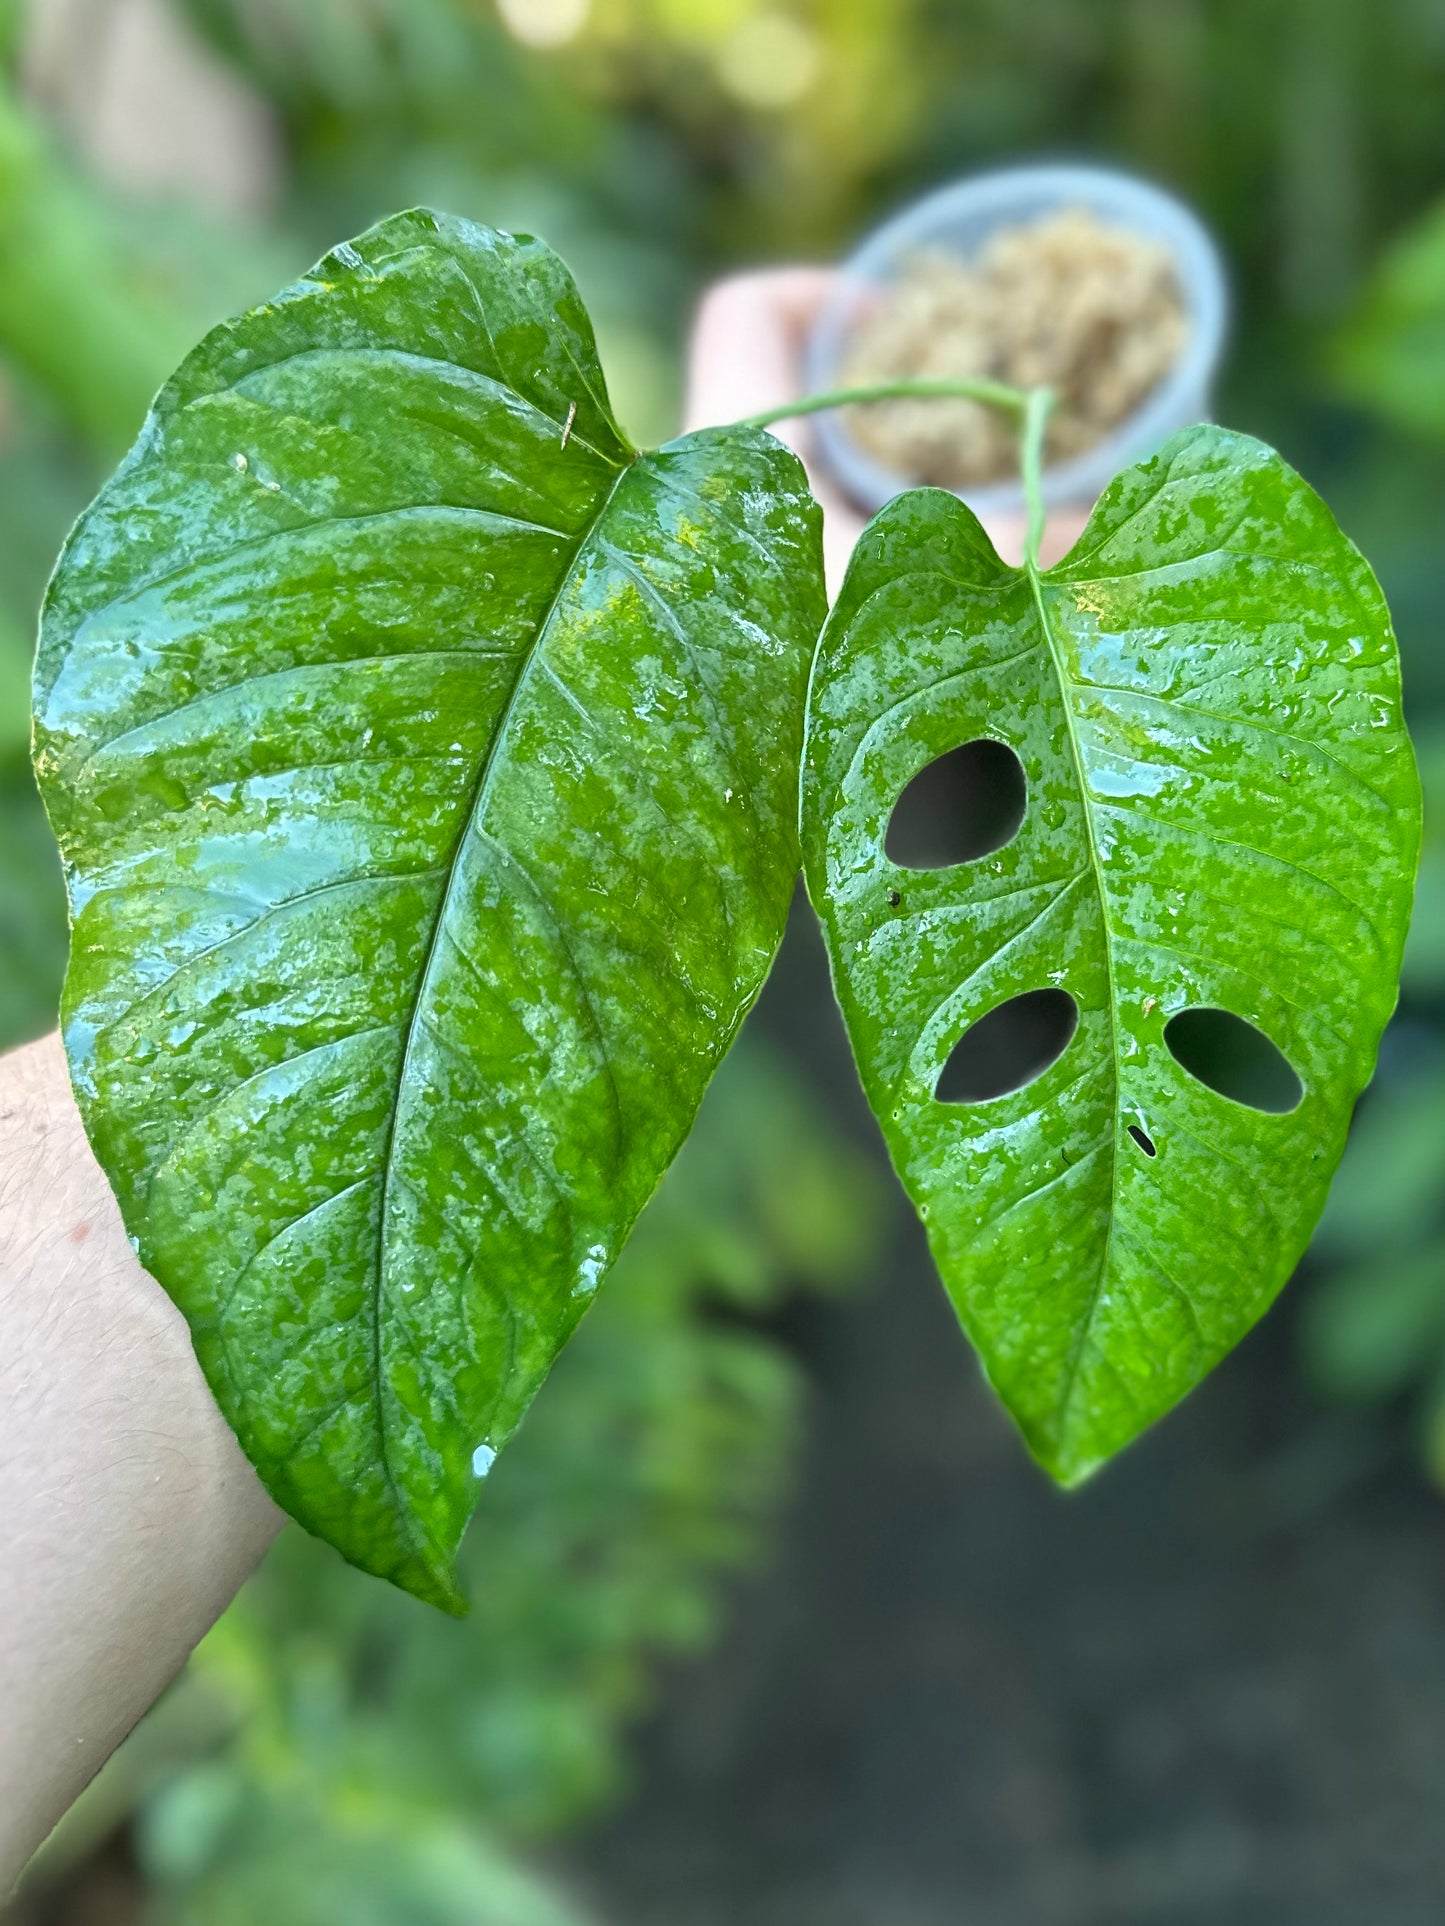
[
  {"x": 424, "y": 761},
  {"x": 1114, "y": 1055}
]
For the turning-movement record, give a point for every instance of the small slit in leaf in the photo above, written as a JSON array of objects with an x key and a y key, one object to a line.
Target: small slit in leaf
[
  {"x": 1143, "y": 1139},
  {"x": 1234, "y": 1059},
  {"x": 964, "y": 804},
  {"x": 1009, "y": 1047}
]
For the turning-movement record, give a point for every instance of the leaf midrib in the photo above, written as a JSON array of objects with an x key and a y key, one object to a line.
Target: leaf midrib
[
  {"x": 1066, "y": 688},
  {"x": 476, "y": 803}
]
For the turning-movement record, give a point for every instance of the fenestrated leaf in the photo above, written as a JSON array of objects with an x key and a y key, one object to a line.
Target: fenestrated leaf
[
  {"x": 1222, "y": 813},
  {"x": 424, "y": 762}
]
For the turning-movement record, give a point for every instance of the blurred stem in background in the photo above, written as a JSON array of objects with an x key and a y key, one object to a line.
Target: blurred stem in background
[{"x": 75, "y": 319}]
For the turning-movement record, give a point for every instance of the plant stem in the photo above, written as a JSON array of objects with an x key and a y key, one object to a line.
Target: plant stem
[
  {"x": 996, "y": 394},
  {"x": 1032, "y": 405},
  {"x": 1031, "y": 468}
]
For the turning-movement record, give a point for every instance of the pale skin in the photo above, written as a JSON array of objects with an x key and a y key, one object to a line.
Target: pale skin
[{"x": 128, "y": 1516}]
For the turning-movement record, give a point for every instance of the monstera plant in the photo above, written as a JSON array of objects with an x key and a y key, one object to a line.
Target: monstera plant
[{"x": 426, "y": 764}]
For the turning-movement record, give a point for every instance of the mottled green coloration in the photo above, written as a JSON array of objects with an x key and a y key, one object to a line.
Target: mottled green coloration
[
  {"x": 424, "y": 763},
  {"x": 1223, "y": 811}
]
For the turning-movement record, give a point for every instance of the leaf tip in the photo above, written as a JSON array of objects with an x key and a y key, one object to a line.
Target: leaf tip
[
  {"x": 434, "y": 1582},
  {"x": 1059, "y": 1458},
  {"x": 1072, "y": 1475}
]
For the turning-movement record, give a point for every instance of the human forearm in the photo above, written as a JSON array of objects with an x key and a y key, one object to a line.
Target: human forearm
[{"x": 128, "y": 1516}]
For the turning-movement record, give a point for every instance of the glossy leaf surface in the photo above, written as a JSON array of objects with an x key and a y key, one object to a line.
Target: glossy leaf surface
[
  {"x": 1222, "y": 813},
  {"x": 424, "y": 762}
]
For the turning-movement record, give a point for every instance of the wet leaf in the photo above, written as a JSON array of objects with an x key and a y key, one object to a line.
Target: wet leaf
[
  {"x": 1222, "y": 815},
  {"x": 424, "y": 762}
]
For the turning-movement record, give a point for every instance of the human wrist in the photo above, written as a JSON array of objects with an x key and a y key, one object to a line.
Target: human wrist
[{"x": 127, "y": 1513}]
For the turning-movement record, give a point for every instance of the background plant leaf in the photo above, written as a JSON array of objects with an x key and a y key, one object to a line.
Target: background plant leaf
[
  {"x": 421, "y": 758},
  {"x": 1389, "y": 355},
  {"x": 1223, "y": 812}
]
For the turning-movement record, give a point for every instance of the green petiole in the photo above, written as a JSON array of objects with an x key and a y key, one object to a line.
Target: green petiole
[
  {"x": 1032, "y": 405},
  {"x": 995, "y": 394}
]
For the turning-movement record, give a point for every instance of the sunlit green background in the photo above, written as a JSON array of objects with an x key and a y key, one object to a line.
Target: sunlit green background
[{"x": 335, "y": 1753}]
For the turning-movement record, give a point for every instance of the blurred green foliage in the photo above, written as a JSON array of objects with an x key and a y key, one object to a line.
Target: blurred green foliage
[
  {"x": 77, "y": 323},
  {"x": 1373, "y": 1329},
  {"x": 1390, "y": 356}
]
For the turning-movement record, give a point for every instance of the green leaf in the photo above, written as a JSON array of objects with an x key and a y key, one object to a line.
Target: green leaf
[
  {"x": 423, "y": 761},
  {"x": 75, "y": 315},
  {"x": 1423, "y": 970},
  {"x": 1222, "y": 813},
  {"x": 1371, "y": 1331},
  {"x": 223, "y": 1847},
  {"x": 1390, "y": 1189},
  {"x": 32, "y": 912},
  {"x": 1390, "y": 354},
  {"x": 14, "y": 695}
]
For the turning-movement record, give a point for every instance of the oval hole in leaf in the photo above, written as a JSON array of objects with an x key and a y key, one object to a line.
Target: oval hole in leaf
[
  {"x": 1143, "y": 1139},
  {"x": 964, "y": 804},
  {"x": 1007, "y": 1048},
  {"x": 1234, "y": 1059}
]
